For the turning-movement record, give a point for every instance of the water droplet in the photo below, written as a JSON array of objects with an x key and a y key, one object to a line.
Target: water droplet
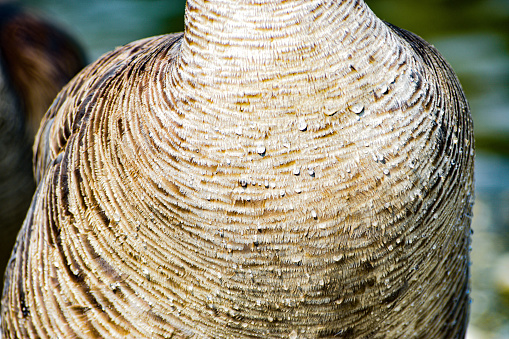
[
  {"x": 272, "y": 185},
  {"x": 297, "y": 259},
  {"x": 260, "y": 149},
  {"x": 243, "y": 182},
  {"x": 357, "y": 108},
  {"x": 311, "y": 172},
  {"x": 390, "y": 247},
  {"x": 293, "y": 335},
  {"x": 298, "y": 190},
  {"x": 286, "y": 143},
  {"x": 114, "y": 286},
  {"x": 116, "y": 217},
  {"x": 238, "y": 130},
  {"x": 386, "y": 171},
  {"x": 270, "y": 319},
  {"x": 228, "y": 162},
  {"x": 296, "y": 171},
  {"x": 384, "y": 89},
  {"x": 313, "y": 214},
  {"x": 302, "y": 125},
  {"x": 266, "y": 183}
]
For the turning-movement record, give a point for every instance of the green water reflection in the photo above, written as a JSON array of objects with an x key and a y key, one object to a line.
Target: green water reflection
[{"x": 473, "y": 35}]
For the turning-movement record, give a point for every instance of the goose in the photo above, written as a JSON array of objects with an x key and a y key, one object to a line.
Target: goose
[
  {"x": 281, "y": 169},
  {"x": 36, "y": 61}
]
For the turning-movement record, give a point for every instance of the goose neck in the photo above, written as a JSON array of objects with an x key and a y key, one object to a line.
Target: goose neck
[{"x": 248, "y": 33}]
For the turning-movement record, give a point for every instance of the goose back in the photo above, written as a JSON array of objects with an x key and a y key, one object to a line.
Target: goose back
[{"x": 218, "y": 183}]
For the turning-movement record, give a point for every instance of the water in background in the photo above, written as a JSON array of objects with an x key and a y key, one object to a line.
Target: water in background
[{"x": 473, "y": 35}]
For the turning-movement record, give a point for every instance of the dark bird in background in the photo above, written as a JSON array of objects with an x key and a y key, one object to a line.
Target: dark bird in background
[
  {"x": 282, "y": 169},
  {"x": 36, "y": 60}
]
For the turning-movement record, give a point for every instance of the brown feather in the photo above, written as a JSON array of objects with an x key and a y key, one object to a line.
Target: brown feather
[{"x": 283, "y": 169}]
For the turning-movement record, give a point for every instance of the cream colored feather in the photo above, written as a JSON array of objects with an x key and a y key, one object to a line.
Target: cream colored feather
[{"x": 292, "y": 169}]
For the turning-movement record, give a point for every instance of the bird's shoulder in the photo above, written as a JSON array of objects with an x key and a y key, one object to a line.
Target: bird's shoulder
[{"x": 72, "y": 107}]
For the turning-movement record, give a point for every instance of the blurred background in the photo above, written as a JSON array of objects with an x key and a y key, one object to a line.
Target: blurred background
[{"x": 473, "y": 35}]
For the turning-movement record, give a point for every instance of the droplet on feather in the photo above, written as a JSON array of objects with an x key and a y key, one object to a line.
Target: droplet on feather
[
  {"x": 260, "y": 149},
  {"x": 357, "y": 108}
]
